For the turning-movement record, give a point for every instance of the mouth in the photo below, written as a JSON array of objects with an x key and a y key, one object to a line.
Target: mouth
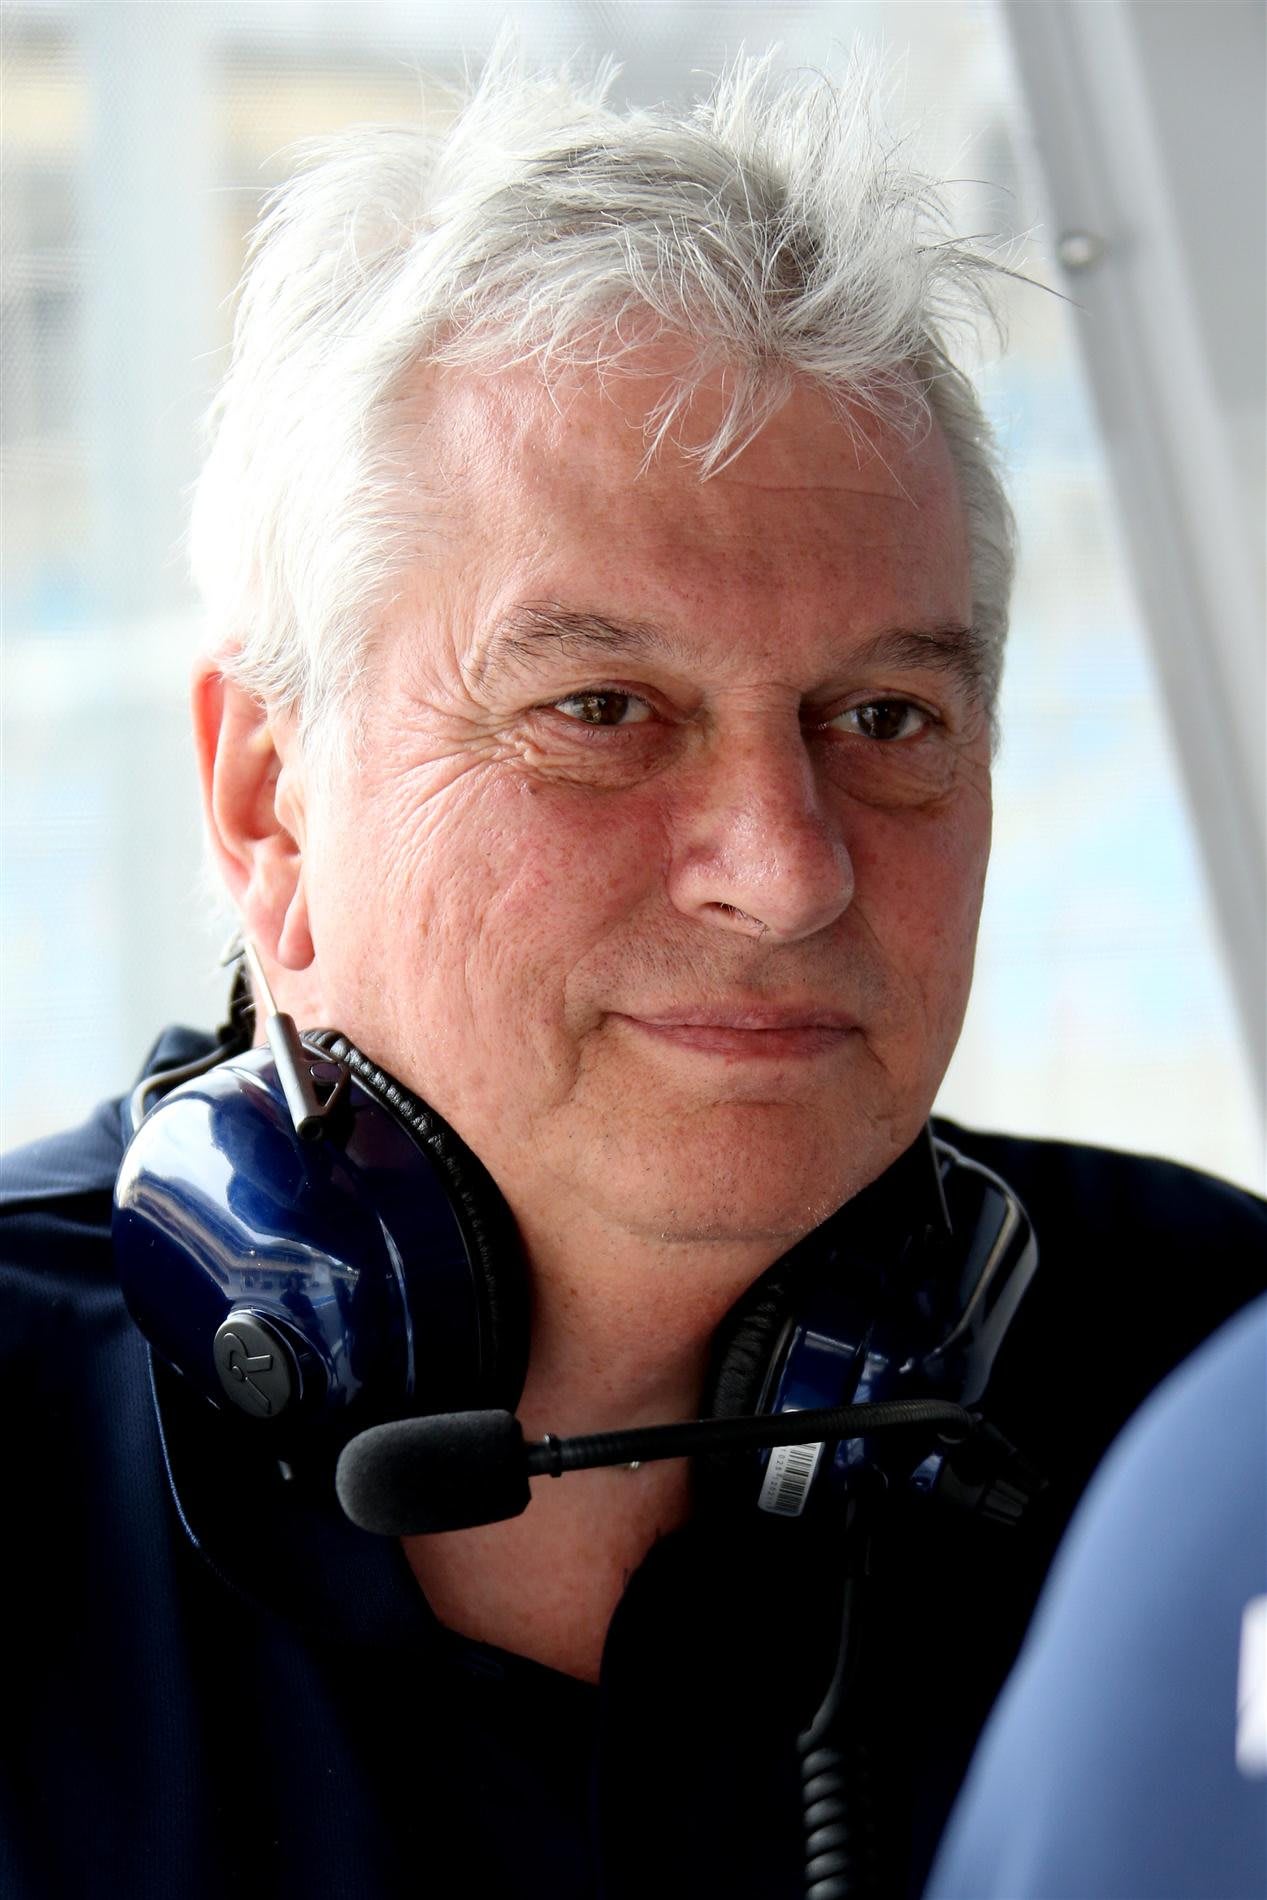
[{"x": 741, "y": 1033}]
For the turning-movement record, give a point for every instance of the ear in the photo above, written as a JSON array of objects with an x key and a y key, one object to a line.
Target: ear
[{"x": 252, "y": 792}]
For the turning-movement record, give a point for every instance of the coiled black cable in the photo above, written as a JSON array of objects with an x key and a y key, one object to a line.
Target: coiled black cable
[
  {"x": 841, "y": 1845},
  {"x": 838, "y": 1793}
]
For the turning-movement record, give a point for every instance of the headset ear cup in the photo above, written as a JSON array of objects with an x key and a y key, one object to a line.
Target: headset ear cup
[
  {"x": 746, "y": 1344},
  {"x": 745, "y": 1348},
  {"x": 902, "y": 1210},
  {"x": 748, "y": 1349},
  {"x": 485, "y": 1218}
]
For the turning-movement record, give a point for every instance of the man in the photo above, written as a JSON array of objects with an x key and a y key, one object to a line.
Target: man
[{"x": 606, "y": 576}]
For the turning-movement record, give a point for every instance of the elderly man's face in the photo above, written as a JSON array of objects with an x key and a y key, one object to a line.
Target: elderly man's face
[{"x": 660, "y": 869}]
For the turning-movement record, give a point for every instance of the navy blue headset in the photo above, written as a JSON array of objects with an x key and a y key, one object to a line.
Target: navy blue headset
[{"x": 316, "y": 1251}]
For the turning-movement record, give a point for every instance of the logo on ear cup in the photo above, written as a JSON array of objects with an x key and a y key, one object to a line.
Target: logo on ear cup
[{"x": 255, "y": 1365}]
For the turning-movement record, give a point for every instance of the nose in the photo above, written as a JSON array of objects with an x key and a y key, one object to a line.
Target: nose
[{"x": 757, "y": 847}]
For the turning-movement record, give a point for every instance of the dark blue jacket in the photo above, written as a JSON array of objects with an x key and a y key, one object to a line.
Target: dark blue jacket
[{"x": 215, "y": 1686}]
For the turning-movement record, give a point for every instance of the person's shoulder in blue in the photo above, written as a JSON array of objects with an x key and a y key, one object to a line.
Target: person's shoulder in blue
[{"x": 1127, "y": 1757}]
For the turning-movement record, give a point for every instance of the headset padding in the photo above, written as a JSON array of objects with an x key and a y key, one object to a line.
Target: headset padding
[
  {"x": 483, "y": 1215},
  {"x": 745, "y": 1343}
]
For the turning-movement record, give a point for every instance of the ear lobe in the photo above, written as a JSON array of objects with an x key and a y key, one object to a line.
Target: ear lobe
[{"x": 253, "y": 805}]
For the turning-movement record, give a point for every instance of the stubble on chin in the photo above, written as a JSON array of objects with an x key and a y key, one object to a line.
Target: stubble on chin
[{"x": 726, "y": 1174}]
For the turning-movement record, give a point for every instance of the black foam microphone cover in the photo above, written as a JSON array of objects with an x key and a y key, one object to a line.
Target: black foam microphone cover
[{"x": 446, "y": 1473}]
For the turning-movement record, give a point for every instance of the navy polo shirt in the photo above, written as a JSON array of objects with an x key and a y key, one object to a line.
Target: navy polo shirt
[{"x": 216, "y": 1686}]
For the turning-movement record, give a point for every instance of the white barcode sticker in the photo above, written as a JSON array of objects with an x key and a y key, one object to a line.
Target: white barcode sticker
[{"x": 788, "y": 1477}]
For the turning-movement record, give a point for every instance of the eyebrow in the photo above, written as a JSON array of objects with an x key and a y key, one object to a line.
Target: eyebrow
[
  {"x": 521, "y": 636},
  {"x": 952, "y": 648},
  {"x": 531, "y": 630}
]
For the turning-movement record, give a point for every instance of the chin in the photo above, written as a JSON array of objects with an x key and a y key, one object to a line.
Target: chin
[{"x": 757, "y": 1172}]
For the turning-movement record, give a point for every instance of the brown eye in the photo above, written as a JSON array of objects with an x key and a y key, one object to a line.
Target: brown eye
[
  {"x": 603, "y": 709},
  {"x": 883, "y": 719}
]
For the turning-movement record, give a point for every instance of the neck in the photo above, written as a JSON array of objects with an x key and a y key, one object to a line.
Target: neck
[
  {"x": 621, "y": 1334},
  {"x": 622, "y": 1330},
  {"x": 623, "y": 1321}
]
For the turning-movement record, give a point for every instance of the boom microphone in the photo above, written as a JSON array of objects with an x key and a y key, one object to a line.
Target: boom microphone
[{"x": 455, "y": 1470}]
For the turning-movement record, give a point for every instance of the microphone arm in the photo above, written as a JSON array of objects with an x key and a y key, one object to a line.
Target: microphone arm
[
  {"x": 552, "y": 1456},
  {"x": 454, "y": 1470}
]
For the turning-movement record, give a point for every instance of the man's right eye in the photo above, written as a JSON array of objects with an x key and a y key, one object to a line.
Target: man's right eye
[{"x": 603, "y": 709}]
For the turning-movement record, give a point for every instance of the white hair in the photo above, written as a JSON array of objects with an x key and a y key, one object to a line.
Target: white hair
[{"x": 770, "y": 229}]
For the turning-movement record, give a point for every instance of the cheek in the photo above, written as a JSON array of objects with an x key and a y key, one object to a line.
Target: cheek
[
  {"x": 523, "y": 900},
  {"x": 563, "y": 864},
  {"x": 919, "y": 883},
  {"x": 496, "y": 895}
]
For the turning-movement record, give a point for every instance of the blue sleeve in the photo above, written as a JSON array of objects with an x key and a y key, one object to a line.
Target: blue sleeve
[{"x": 1110, "y": 1769}]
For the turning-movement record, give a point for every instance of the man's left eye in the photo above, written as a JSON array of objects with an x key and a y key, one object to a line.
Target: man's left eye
[
  {"x": 883, "y": 719},
  {"x": 603, "y": 709}
]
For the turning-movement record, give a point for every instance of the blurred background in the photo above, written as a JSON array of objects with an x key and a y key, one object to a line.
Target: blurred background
[{"x": 1119, "y": 987}]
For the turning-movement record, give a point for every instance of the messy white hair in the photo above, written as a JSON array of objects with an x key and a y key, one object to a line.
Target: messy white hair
[{"x": 770, "y": 231}]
